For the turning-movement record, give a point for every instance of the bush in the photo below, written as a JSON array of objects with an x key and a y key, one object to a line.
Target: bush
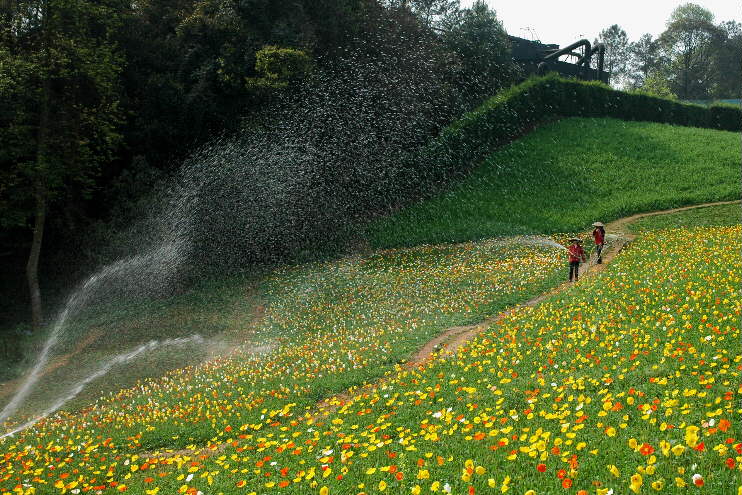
[{"x": 515, "y": 110}]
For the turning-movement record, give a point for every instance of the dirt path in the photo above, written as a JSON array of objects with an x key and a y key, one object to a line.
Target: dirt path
[
  {"x": 450, "y": 340},
  {"x": 453, "y": 338}
]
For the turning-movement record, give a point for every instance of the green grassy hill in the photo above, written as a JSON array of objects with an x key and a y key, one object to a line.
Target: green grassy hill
[{"x": 569, "y": 173}]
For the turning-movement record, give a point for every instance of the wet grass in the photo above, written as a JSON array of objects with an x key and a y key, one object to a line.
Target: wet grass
[
  {"x": 390, "y": 303},
  {"x": 567, "y": 174}
]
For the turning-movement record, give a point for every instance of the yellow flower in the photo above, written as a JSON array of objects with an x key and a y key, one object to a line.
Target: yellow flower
[
  {"x": 324, "y": 491},
  {"x": 680, "y": 482},
  {"x": 434, "y": 487},
  {"x": 480, "y": 470},
  {"x": 382, "y": 485},
  {"x": 415, "y": 490},
  {"x": 691, "y": 435},
  {"x": 658, "y": 485},
  {"x": 530, "y": 492},
  {"x": 636, "y": 483},
  {"x": 614, "y": 470},
  {"x": 677, "y": 450},
  {"x": 632, "y": 443}
]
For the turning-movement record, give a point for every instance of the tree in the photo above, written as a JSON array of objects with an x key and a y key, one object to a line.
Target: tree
[
  {"x": 687, "y": 43},
  {"x": 616, "y": 52},
  {"x": 725, "y": 67},
  {"x": 434, "y": 12},
  {"x": 482, "y": 47},
  {"x": 59, "y": 116},
  {"x": 656, "y": 84},
  {"x": 644, "y": 57}
]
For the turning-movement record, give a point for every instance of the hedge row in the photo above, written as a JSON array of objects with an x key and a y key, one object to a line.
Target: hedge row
[{"x": 514, "y": 111}]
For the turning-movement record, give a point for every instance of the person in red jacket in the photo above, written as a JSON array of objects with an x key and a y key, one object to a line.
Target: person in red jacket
[
  {"x": 599, "y": 237},
  {"x": 576, "y": 253}
]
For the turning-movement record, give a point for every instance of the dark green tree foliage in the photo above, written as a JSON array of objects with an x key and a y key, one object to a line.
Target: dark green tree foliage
[
  {"x": 692, "y": 59},
  {"x": 726, "y": 57},
  {"x": 688, "y": 45},
  {"x": 59, "y": 110},
  {"x": 482, "y": 58},
  {"x": 435, "y": 13},
  {"x": 616, "y": 52},
  {"x": 644, "y": 58}
]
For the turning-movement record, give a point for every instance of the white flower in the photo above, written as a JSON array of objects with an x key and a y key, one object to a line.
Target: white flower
[{"x": 447, "y": 488}]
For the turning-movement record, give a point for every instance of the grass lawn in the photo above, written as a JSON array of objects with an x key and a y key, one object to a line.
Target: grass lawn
[
  {"x": 567, "y": 174},
  {"x": 724, "y": 215}
]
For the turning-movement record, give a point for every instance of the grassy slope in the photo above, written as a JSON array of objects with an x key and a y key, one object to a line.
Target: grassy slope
[
  {"x": 721, "y": 216},
  {"x": 399, "y": 297},
  {"x": 490, "y": 405},
  {"x": 566, "y": 175}
]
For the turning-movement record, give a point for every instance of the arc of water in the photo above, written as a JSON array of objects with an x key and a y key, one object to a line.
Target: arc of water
[
  {"x": 119, "y": 359},
  {"x": 74, "y": 303}
]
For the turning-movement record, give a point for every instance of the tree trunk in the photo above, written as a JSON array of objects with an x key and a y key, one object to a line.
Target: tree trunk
[
  {"x": 32, "y": 267},
  {"x": 40, "y": 190}
]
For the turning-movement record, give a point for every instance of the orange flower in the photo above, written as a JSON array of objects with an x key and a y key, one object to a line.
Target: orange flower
[
  {"x": 566, "y": 483},
  {"x": 646, "y": 449}
]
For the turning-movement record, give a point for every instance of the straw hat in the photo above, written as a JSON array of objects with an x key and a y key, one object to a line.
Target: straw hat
[
  {"x": 573, "y": 239},
  {"x": 598, "y": 224}
]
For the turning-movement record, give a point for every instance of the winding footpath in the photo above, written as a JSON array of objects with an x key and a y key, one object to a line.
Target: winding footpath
[
  {"x": 446, "y": 343},
  {"x": 451, "y": 339}
]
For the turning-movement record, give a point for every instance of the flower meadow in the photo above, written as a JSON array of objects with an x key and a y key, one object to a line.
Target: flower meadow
[
  {"x": 327, "y": 327},
  {"x": 628, "y": 382}
]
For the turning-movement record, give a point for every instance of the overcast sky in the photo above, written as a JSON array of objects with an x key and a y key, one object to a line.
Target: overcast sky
[{"x": 565, "y": 22}]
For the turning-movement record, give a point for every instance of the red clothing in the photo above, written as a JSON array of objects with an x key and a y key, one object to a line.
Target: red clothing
[
  {"x": 598, "y": 236},
  {"x": 576, "y": 253}
]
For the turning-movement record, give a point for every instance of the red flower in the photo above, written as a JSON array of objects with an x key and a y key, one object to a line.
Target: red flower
[
  {"x": 541, "y": 468},
  {"x": 561, "y": 473},
  {"x": 646, "y": 449},
  {"x": 566, "y": 483},
  {"x": 730, "y": 463}
]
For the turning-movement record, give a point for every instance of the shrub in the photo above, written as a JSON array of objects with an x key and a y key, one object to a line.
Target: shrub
[{"x": 514, "y": 110}]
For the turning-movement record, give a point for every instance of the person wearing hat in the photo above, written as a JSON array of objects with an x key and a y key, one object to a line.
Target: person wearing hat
[
  {"x": 576, "y": 253},
  {"x": 599, "y": 237}
]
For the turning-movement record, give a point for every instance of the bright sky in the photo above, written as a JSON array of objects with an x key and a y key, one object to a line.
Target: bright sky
[{"x": 565, "y": 22}]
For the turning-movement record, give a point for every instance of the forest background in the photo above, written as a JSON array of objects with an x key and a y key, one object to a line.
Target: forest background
[{"x": 102, "y": 101}]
